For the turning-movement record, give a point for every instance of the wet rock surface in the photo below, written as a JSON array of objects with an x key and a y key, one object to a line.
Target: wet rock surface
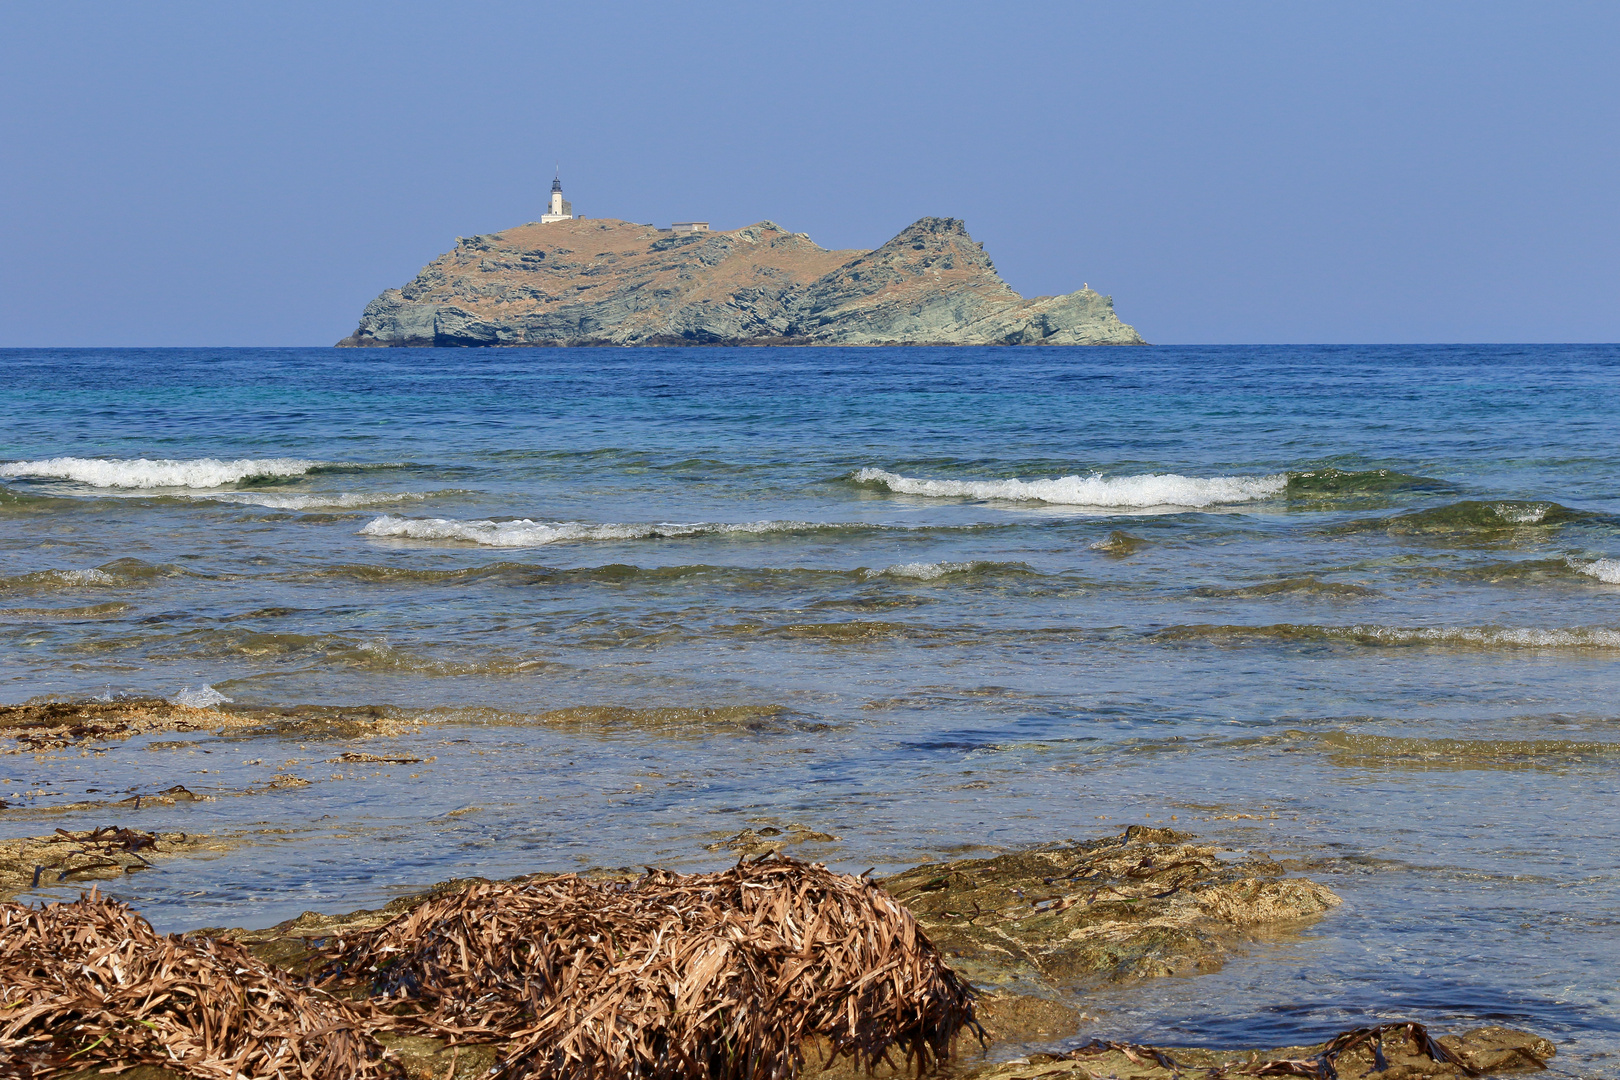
[
  {"x": 609, "y": 282},
  {"x": 1031, "y": 930},
  {"x": 108, "y": 853},
  {"x": 1402, "y": 1051},
  {"x": 39, "y": 727},
  {"x": 1149, "y": 902}
]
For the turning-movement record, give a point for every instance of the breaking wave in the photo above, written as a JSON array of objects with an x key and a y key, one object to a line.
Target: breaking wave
[
  {"x": 56, "y": 579},
  {"x": 204, "y": 697},
  {"x": 1146, "y": 490},
  {"x": 118, "y": 572},
  {"x": 160, "y": 472},
  {"x": 1605, "y": 570},
  {"x": 933, "y": 571},
  {"x": 333, "y": 500},
  {"x": 526, "y": 533},
  {"x": 1479, "y": 637}
]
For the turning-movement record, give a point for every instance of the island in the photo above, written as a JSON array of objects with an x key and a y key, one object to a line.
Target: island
[{"x": 599, "y": 281}]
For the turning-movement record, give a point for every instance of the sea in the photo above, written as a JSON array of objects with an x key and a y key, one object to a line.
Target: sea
[{"x": 1354, "y": 608}]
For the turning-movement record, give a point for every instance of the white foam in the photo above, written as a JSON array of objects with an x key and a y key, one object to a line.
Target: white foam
[
  {"x": 83, "y": 577},
  {"x": 1522, "y": 515},
  {"x": 333, "y": 500},
  {"x": 1605, "y": 570},
  {"x": 157, "y": 473},
  {"x": 924, "y": 571},
  {"x": 526, "y": 533},
  {"x": 1494, "y": 637},
  {"x": 205, "y": 697},
  {"x": 1145, "y": 490}
]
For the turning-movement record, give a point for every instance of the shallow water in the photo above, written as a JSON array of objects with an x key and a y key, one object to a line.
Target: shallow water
[{"x": 1353, "y": 607}]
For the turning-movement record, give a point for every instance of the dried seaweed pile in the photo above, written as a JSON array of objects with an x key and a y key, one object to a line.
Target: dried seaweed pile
[
  {"x": 91, "y": 984},
  {"x": 672, "y": 976}
]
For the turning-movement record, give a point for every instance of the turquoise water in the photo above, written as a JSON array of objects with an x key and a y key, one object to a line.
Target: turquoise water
[{"x": 1354, "y": 607}]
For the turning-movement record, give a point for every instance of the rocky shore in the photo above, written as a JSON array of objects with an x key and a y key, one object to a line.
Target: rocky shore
[
  {"x": 609, "y": 282},
  {"x": 1031, "y": 932}
]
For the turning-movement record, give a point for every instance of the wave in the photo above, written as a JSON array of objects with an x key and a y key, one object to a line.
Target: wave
[
  {"x": 334, "y": 500},
  {"x": 144, "y": 473},
  {"x": 56, "y": 579},
  {"x": 117, "y": 572},
  {"x": 1471, "y": 516},
  {"x": 204, "y": 697},
  {"x": 1293, "y": 586},
  {"x": 1481, "y": 637},
  {"x": 527, "y": 533},
  {"x": 933, "y": 571},
  {"x": 18, "y": 502},
  {"x": 520, "y": 574},
  {"x": 1366, "y": 482},
  {"x": 332, "y": 651},
  {"x": 1119, "y": 544},
  {"x": 69, "y": 614},
  {"x": 1605, "y": 570},
  {"x": 1146, "y": 490}
]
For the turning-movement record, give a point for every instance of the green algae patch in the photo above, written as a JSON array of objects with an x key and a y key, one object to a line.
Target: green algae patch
[{"x": 1148, "y": 902}]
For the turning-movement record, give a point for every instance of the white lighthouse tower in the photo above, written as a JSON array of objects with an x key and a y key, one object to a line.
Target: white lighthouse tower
[{"x": 560, "y": 209}]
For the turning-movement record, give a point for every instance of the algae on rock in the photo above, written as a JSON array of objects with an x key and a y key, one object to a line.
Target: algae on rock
[{"x": 1145, "y": 903}]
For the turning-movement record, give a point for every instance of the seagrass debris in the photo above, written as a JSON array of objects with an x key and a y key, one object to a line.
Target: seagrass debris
[
  {"x": 1393, "y": 1051},
  {"x": 91, "y": 984},
  {"x": 723, "y": 976}
]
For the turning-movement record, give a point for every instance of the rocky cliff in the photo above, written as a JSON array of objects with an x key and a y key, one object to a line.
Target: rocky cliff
[{"x": 606, "y": 282}]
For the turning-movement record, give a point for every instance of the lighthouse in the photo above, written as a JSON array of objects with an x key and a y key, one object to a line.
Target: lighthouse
[{"x": 560, "y": 208}]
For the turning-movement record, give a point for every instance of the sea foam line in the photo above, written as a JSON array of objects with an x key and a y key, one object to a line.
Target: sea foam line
[
  {"x": 1148, "y": 489},
  {"x": 157, "y": 472},
  {"x": 527, "y": 533}
]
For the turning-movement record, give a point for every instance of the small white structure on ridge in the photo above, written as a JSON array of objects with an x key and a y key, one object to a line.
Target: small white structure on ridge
[{"x": 560, "y": 209}]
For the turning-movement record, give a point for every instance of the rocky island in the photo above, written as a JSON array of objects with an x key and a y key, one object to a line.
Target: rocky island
[{"x": 606, "y": 282}]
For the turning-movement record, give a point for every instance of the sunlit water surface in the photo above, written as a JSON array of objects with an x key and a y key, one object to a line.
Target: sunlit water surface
[{"x": 1355, "y": 608}]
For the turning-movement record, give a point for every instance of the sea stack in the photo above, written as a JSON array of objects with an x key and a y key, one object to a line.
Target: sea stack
[{"x": 599, "y": 281}]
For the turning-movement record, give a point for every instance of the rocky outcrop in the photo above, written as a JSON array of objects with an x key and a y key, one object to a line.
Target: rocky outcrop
[{"x": 605, "y": 282}]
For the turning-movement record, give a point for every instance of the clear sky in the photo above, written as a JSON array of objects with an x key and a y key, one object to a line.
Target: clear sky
[{"x": 229, "y": 173}]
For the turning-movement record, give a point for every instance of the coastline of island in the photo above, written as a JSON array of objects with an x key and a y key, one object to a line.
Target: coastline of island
[{"x": 603, "y": 282}]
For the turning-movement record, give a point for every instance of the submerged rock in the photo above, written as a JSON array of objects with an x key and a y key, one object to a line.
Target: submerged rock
[
  {"x": 608, "y": 282},
  {"x": 1145, "y": 903}
]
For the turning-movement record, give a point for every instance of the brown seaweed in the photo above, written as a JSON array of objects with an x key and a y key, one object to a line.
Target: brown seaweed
[
  {"x": 91, "y": 984},
  {"x": 722, "y": 976}
]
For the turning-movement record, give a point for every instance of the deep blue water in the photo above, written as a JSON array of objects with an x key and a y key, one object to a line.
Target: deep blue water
[{"x": 1352, "y": 606}]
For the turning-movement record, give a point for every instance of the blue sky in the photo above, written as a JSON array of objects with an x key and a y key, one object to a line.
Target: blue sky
[{"x": 252, "y": 174}]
